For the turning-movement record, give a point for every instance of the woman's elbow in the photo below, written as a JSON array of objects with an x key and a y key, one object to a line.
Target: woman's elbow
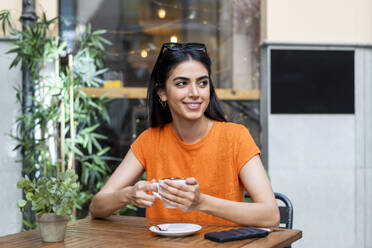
[
  {"x": 94, "y": 209},
  {"x": 93, "y": 212},
  {"x": 272, "y": 218},
  {"x": 276, "y": 217}
]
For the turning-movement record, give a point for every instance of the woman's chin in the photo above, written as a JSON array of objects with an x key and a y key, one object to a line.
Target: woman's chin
[{"x": 195, "y": 117}]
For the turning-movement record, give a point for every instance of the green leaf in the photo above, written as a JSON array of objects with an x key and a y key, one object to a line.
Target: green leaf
[
  {"x": 29, "y": 196},
  {"x": 77, "y": 151},
  {"x": 107, "y": 42},
  {"x": 95, "y": 142},
  {"x": 90, "y": 146},
  {"x": 100, "y": 136},
  {"x": 21, "y": 203},
  {"x": 103, "y": 151},
  {"x": 90, "y": 129},
  {"x": 131, "y": 207},
  {"x": 99, "y": 72},
  {"x": 99, "y": 32}
]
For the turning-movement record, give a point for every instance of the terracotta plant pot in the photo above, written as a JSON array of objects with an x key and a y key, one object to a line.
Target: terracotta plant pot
[{"x": 52, "y": 227}]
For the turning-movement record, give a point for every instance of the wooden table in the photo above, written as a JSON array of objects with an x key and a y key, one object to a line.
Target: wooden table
[{"x": 128, "y": 231}]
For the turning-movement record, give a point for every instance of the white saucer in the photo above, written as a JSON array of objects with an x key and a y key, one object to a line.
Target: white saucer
[{"x": 176, "y": 229}]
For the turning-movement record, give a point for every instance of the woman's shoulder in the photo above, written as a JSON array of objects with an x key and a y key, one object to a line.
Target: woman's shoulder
[
  {"x": 230, "y": 126},
  {"x": 154, "y": 131},
  {"x": 231, "y": 131}
]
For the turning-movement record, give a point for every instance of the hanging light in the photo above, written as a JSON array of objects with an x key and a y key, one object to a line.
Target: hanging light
[
  {"x": 162, "y": 13},
  {"x": 173, "y": 39},
  {"x": 143, "y": 53}
]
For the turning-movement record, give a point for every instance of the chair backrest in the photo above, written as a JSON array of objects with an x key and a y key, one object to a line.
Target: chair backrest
[{"x": 286, "y": 211}]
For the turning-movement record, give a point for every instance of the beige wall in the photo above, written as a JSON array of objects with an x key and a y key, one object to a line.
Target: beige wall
[
  {"x": 340, "y": 21},
  {"x": 50, "y": 7},
  {"x": 15, "y": 8}
]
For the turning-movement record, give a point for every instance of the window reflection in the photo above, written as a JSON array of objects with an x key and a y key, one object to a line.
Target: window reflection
[{"x": 138, "y": 28}]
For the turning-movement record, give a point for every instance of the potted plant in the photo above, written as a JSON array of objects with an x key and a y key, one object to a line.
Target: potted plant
[
  {"x": 53, "y": 200},
  {"x": 61, "y": 126}
]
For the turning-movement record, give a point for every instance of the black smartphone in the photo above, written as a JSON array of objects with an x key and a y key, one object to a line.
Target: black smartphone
[{"x": 236, "y": 234}]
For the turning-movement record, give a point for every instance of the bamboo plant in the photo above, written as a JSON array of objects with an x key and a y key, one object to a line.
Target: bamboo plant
[{"x": 65, "y": 121}]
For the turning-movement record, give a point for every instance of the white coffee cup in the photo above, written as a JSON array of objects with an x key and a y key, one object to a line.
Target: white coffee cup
[{"x": 160, "y": 189}]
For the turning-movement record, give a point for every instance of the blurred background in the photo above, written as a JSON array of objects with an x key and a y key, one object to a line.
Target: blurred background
[{"x": 296, "y": 73}]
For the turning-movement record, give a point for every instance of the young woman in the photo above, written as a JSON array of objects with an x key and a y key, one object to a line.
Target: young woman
[{"x": 190, "y": 138}]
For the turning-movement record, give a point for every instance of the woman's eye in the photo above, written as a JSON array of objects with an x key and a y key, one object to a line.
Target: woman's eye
[
  {"x": 180, "y": 83},
  {"x": 203, "y": 83}
]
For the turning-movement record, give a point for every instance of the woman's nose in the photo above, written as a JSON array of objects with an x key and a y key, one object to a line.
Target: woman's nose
[{"x": 194, "y": 91}]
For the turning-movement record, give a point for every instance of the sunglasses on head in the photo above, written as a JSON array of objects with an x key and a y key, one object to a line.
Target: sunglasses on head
[{"x": 183, "y": 46}]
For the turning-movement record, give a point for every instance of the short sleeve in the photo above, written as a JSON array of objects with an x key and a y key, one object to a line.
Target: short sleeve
[
  {"x": 138, "y": 146},
  {"x": 246, "y": 148}
]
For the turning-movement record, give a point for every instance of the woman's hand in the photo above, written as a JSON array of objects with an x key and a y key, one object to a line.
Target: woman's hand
[
  {"x": 185, "y": 197},
  {"x": 137, "y": 194}
]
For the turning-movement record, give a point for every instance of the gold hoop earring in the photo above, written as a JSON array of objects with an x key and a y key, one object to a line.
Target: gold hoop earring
[{"x": 163, "y": 104}]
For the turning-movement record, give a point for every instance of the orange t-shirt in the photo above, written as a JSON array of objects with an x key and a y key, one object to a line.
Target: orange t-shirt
[{"x": 215, "y": 162}]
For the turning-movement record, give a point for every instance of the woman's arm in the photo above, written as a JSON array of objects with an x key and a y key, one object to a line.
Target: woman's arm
[
  {"x": 263, "y": 212},
  {"x": 118, "y": 192}
]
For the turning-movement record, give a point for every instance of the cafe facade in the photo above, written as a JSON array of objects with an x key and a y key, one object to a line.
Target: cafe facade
[{"x": 296, "y": 73}]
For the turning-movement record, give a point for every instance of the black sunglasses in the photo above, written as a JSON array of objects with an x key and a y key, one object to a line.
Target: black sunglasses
[{"x": 183, "y": 46}]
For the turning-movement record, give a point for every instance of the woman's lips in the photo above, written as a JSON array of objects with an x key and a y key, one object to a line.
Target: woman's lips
[{"x": 193, "y": 105}]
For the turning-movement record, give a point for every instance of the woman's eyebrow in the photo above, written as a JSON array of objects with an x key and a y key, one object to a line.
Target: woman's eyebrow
[
  {"x": 202, "y": 77},
  {"x": 180, "y": 78},
  {"x": 187, "y": 79}
]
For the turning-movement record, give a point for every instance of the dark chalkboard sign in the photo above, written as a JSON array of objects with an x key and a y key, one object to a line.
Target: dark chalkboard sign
[{"x": 312, "y": 82}]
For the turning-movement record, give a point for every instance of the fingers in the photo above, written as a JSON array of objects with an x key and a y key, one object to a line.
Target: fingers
[
  {"x": 145, "y": 196},
  {"x": 176, "y": 204},
  {"x": 145, "y": 186},
  {"x": 180, "y": 188},
  {"x": 139, "y": 196},
  {"x": 144, "y": 204},
  {"x": 191, "y": 181},
  {"x": 142, "y": 187},
  {"x": 142, "y": 200},
  {"x": 184, "y": 203},
  {"x": 173, "y": 200},
  {"x": 185, "y": 197},
  {"x": 174, "y": 188}
]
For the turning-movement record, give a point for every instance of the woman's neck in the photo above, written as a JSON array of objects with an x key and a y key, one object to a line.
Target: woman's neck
[{"x": 190, "y": 132}]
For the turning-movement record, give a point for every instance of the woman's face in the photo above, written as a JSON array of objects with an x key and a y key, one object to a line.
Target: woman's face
[{"x": 187, "y": 91}]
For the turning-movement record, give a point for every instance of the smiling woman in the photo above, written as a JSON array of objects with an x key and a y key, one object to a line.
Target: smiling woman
[
  {"x": 190, "y": 138},
  {"x": 187, "y": 95},
  {"x": 182, "y": 71}
]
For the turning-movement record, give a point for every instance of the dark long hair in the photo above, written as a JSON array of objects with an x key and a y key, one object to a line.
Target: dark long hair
[{"x": 167, "y": 60}]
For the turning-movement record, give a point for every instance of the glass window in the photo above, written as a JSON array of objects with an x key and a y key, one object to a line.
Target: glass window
[{"x": 138, "y": 28}]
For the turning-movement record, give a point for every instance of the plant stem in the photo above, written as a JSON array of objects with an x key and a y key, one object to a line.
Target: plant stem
[
  {"x": 62, "y": 133},
  {"x": 71, "y": 162},
  {"x": 56, "y": 65},
  {"x": 42, "y": 96}
]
